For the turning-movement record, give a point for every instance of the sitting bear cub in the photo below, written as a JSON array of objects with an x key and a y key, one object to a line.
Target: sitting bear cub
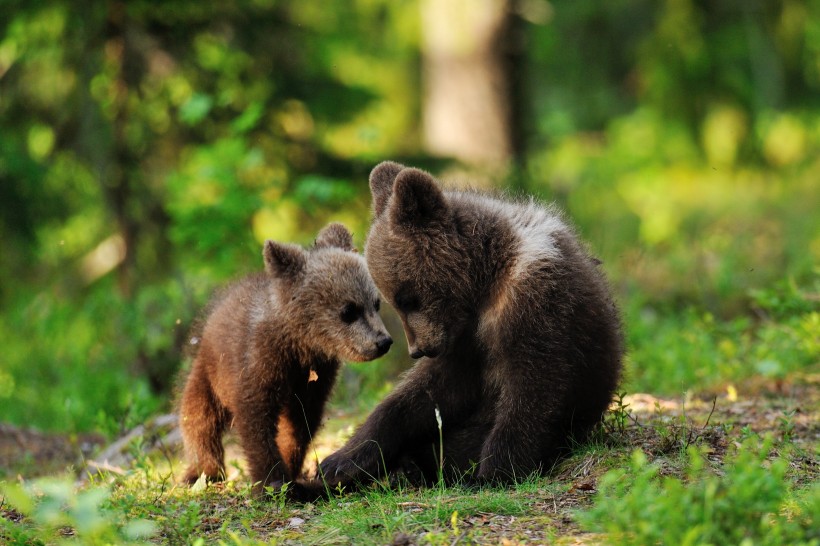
[
  {"x": 269, "y": 355},
  {"x": 518, "y": 338}
]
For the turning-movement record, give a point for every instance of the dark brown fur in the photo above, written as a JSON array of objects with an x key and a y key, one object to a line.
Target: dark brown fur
[
  {"x": 519, "y": 340},
  {"x": 269, "y": 354}
]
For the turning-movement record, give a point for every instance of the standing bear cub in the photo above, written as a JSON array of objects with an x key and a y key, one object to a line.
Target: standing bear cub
[
  {"x": 269, "y": 354},
  {"x": 518, "y": 337}
]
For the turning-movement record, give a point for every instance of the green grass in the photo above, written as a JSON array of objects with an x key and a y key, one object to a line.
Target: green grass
[
  {"x": 746, "y": 501},
  {"x": 679, "y": 472},
  {"x": 671, "y": 351},
  {"x": 377, "y": 516}
]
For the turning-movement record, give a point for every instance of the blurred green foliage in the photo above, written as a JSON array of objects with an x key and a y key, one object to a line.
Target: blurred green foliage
[
  {"x": 54, "y": 506},
  {"x": 752, "y": 502},
  {"x": 673, "y": 351},
  {"x": 147, "y": 149}
]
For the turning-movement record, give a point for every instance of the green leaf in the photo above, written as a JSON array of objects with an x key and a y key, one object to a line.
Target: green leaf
[
  {"x": 195, "y": 109},
  {"x": 248, "y": 119},
  {"x": 17, "y": 496}
]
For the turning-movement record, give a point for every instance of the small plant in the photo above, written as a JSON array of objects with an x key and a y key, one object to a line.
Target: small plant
[
  {"x": 278, "y": 497},
  {"x": 679, "y": 434},
  {"x": 785, "y": 424},
  {"x": 440, "y": 448},
  {"x": 445, "y": 537},
  {"x": 746, "y": 432},
  {"x": 184, "y": 524},
  {"x": 747, "y": 504},
  {"x": 56, "y": 509},
  {"x": 618, "y": 415}
]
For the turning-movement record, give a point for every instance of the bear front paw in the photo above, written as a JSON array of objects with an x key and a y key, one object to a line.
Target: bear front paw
[
  {"x": 344, "y": 467},
  {"x": 337, "y": 467}
]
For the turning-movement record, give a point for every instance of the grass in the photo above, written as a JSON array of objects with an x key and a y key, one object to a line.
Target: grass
[
  {"x": 673, "y": 350},
  {"x": 647, "y": 475}
]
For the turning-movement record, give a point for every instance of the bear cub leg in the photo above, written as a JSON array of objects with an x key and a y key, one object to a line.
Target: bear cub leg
[
  {"x": 202, "y": 422},
  {"x": 268, "y": 444}
]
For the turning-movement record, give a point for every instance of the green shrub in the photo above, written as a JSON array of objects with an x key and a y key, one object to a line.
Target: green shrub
[
  {"x": 68, "y": 365},
  {"x": 673, "y": 351},
  {"x": 748, "y": 502},
  {"x": 56, "y": 512}
]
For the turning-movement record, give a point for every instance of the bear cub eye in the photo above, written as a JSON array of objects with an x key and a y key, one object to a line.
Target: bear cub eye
[
  {"x": 350, "y": 313},
  {"x": 406, "y": 302}
]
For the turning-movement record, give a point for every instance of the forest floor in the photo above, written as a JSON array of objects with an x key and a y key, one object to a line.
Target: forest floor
[{"x": 539, "y": 510}]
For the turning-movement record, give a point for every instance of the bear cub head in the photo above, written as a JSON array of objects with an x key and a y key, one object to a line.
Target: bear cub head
[
  {"x": 418, "y": 259},
  {"x": 328, "y": 296}
]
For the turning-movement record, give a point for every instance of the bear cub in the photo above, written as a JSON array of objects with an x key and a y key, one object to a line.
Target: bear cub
[
  {"x": 269, "y": 354},
  {"x": 518, "y": 340}
]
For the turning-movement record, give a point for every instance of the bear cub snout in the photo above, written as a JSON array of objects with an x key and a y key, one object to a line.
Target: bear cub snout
[{"x": 269, "y": 354}]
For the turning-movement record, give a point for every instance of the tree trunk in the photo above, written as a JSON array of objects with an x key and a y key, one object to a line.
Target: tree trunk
[{"x": 470, "y": 82}]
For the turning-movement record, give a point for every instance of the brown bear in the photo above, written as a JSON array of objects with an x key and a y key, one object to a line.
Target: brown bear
[
  {"x": 518, "y": 338},
  {"x": 269, "y": 354}
]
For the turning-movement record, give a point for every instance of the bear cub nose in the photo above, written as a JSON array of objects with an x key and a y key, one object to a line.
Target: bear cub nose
[{"x": 383, "y": 344}]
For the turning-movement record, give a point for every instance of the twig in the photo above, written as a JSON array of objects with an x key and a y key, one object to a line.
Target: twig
[{"x": 714, "y": 403}]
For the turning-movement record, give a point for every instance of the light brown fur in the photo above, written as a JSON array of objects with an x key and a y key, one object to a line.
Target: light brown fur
[{"x": 269, "y": 354}]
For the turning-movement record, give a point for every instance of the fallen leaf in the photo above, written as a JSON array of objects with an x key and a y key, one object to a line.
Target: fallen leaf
[
  {"x": 583, "y": 486},
  {"x": 201, "y": 483}
]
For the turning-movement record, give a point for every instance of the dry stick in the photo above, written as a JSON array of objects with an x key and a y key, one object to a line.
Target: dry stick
[
  {"x": 714, "y": 403},
  {"x": 691, "y": 436}
]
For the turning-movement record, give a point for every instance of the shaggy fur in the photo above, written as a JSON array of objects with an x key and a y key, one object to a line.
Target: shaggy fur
[
  {"x": 519, "y": 340},
  {"x": 269, "y": 354}
]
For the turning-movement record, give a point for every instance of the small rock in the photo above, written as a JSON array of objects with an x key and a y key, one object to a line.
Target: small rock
[{"x": 402, "y": 539}]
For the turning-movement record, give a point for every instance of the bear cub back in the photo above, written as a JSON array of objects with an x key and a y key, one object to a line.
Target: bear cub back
[{"x": 269, "y": 354}]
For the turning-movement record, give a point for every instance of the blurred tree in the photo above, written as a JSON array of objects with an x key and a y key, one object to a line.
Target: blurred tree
[
  {"x": 690, "y": 126},
  {"x": 589, "y": 63},
  {"x": 472, "y": 51}
]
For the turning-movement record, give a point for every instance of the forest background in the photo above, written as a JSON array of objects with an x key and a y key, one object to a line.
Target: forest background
[{"x": 147, "y": 149}]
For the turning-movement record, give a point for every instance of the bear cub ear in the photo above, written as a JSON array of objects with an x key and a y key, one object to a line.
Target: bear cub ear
[
  {"x": 335, "y": 235},
  {"x": 381, "y": 184},
  {"x": 283, "y": 259},
  {"x": 417, "y": 199}
]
